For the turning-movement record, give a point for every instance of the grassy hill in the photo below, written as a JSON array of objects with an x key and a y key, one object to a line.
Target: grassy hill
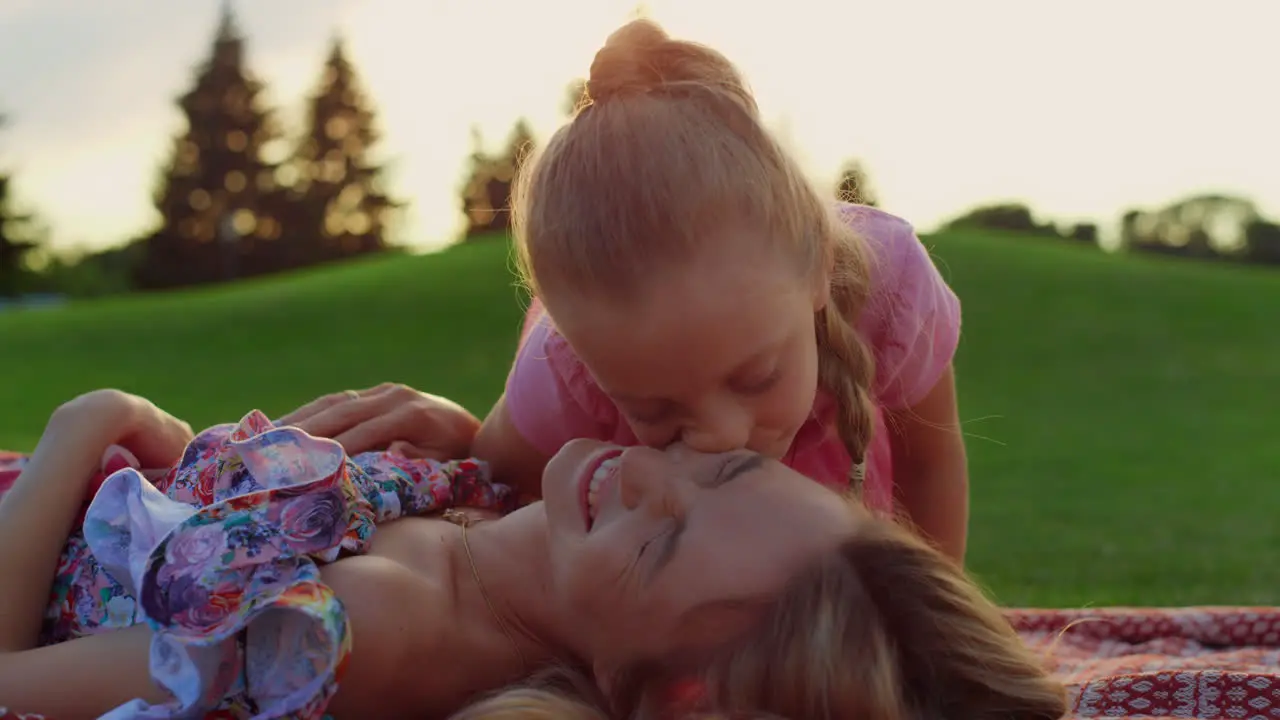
[{"x": 1122, "y": 412}]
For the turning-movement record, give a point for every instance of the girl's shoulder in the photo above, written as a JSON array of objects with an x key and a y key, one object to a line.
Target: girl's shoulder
[
  {"x": 900, "y": 262},
  {"x": 891, "y": 239},
  {"x": 911, "y": 317}
]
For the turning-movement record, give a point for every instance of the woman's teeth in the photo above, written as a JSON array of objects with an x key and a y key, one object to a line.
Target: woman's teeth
[{"x": 598, "y": 477}]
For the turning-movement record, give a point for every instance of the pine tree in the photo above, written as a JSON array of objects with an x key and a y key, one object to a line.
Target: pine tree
[
  {"x": 476, "y": 207},
  {"x": 520, "y": 146},
  {"x": 212, "y": 197},
  {"x": 854, "y": 186},
  {"x": 14, "y": 247},
  {"x": 343, "y": 208},
  {"x": 486, "y": 196}
]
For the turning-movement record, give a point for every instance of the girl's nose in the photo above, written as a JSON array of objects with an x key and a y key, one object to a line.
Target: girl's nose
[{"x": 727, "y": 429}]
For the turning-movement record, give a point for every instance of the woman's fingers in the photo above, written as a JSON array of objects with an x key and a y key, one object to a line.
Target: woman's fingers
[
  {"x": 377, "y": 431},
  {"x": 409, "y": 450},
  {"x": 306, "y": 412},
  {"x": 321, "y": 404},
  {"x": 341, "y": 417},
  {"x": 372, "y": 419},
  {"x": 168, "y": 444},
  {"x": 156, "y": 438}
]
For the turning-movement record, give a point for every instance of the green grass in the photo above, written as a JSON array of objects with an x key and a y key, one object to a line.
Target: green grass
[{"x": 1121, "y": 412}]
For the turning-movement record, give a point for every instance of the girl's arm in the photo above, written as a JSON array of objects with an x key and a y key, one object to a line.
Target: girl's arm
[
  {"x": 512, "y": 459},
  {"x": 36, "y": 517},
  {"x": 930, "y": 467}
]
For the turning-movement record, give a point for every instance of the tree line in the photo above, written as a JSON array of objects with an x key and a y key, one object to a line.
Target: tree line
[
  {"x": 1200, "y": 227},
  {"x": 486, "y": 193},
  {"x": 1205, "y": 227},
  {"x": 239, "y": 196}
]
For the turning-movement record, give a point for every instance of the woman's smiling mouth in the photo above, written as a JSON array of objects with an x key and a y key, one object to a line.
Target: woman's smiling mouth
[{"x": 592, "y": 483}]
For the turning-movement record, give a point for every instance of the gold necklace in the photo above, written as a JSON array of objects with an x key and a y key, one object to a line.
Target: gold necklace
[{"x": 462, "y": 520}]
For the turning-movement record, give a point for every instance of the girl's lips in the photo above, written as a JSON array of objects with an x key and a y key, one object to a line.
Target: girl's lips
[{"x": 584, "y": 482}]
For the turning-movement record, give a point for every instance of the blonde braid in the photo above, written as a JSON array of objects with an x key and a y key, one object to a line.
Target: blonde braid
[{"x": 846, "y": 366}]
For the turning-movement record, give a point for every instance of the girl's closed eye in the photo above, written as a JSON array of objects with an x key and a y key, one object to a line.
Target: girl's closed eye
[
  {"x": 651, "y": 415},
  {"x": 647, "y": 418},
  {"x": 759, "y": 383}
]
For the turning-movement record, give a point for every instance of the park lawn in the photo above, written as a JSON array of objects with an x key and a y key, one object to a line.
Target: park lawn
[{"x": 1121, "y": 412}]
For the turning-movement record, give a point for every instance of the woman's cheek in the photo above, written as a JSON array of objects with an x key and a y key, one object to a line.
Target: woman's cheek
[{"x": 587, "y": 589}]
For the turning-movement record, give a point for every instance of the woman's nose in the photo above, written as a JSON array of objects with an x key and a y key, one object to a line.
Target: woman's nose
[{"x": 643, "y": 475}]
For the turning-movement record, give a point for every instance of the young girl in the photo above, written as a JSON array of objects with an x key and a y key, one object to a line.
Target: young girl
[{"x": 692, "y": 286}]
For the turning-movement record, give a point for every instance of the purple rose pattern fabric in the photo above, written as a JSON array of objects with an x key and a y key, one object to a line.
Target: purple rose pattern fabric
[{"x": 219, "y": 556}]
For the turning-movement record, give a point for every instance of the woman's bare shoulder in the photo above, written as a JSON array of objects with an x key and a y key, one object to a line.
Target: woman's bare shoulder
[
  {"x": 415, "y": 652},
  {"x": 395, "y": 614}
]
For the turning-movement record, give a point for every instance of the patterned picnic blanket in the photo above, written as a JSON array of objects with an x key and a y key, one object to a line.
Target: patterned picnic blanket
[{"x": 1210, "y": 662}]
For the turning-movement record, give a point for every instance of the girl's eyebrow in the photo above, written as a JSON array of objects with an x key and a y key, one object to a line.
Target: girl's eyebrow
[{"x": 733, "y": 471}]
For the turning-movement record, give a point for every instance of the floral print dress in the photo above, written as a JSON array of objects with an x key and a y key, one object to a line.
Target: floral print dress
[{"x": 220, "y": 556}]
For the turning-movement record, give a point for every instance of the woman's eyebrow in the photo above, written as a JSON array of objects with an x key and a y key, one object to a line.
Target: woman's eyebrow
[
  {"x": 735, "y": 470},
  {"x": 732, "y": 472}
]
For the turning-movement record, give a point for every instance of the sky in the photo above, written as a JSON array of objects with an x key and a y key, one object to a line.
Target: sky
[{"x": 1081, "y": 108}]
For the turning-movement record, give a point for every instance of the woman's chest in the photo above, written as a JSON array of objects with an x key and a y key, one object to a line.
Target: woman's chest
[
  {"x": 415, "y": 651},
  {"x": 415, "y": 543}
]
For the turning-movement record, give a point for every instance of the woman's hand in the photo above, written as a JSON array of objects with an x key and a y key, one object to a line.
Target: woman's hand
[
  {"x": 39, "y": 511},
  {"x": 390, "y": 417},
  {"x": 114, "y": 417}
]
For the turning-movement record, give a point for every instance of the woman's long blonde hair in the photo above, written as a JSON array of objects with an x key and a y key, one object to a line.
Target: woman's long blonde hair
[
  {"x": 885, "y": 628},
  {"x": 667, "y": 148}
]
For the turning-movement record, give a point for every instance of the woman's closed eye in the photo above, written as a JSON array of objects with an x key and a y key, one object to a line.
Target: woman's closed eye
[
  {"x": 653, "y": 543},
  {"x": 734, "y": 467},
  {"x": 659, "y": 550},
  {"x": 662, "y": 547}
]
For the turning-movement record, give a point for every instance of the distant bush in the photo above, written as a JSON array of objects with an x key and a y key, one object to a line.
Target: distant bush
[{"x": 1009, "y": 217}]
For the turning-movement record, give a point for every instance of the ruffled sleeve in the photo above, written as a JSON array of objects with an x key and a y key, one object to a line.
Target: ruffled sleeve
[{"x": 222, "y": 555}]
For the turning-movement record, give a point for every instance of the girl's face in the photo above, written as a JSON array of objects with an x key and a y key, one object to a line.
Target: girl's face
[
  {"x": 656, "y": 553},
  {"x": 719, "y": 354}
]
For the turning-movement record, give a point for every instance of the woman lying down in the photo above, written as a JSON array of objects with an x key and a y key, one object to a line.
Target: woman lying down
[{"x": 269, "y": 575}]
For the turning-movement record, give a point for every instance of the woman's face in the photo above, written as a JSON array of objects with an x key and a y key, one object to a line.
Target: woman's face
[{"x": 654, "y": 552}]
